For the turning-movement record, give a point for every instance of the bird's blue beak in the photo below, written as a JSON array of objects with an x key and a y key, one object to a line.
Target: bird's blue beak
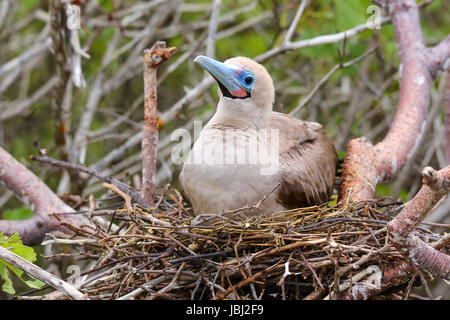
[{"x": 227, "y": 76}]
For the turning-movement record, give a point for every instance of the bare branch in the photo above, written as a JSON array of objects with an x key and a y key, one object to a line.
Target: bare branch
[
  {"x": 436, "y": 185},
  {"x": 328, "y": 76},
  {"x": 211, "y": 40},
  {"x": 294, "y": 23},
  {"x": 366, "y": 165},
  {"x": 120, "y": 185},
  {"x": 153, "y": 57},
  {"x": 320, "y": 40},
  {"x": 13, "y": 109},
  {"x": 40, "y": 274},
  {"x": 35, "y": 50},
  {"x": 38, "y": 197},
  {"x": 439, "y": 56}
]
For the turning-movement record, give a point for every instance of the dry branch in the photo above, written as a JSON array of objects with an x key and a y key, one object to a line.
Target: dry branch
[
  {"x": 153, "y": 57},
  {"x": 223, "y": 263},
  {"x": 436, "y": 185},
  {"x": 40, "y": 274},
  {"x": 245, "y": 259},
  {"x": 61, "y": 114},
  {"x": 38, "y": 197},
  {"x": 79, "y": 168},
  {"x": 394, "y": 275},
  {"x": 366, "y": 165}
]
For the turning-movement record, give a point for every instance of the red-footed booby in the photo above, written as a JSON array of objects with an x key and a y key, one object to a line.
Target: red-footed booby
[{"x": 248, "y": 156}]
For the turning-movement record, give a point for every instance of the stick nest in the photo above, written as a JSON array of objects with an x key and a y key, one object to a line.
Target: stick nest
[{"x": 167, "y": 253}]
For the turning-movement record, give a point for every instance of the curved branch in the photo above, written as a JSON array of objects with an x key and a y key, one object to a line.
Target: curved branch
[
  {"x": 367, "y": 165},
  {"x": 436, "y": 185},
  {"x": 414, "y": 95},
  {"x": 35, "y": 194},
  {"x": 439, "y": 58},
  {"x": 418, "y": 66}
]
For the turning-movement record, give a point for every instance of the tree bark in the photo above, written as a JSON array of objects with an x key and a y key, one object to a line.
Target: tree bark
[
  {"x": 35, "y": 194},
  {"x": 153, "y": 57},
  {"x": 436, "y": 185},
  {"x": 367, "y": 165}
]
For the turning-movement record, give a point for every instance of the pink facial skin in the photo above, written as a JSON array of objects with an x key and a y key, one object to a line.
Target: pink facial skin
[{"x": 239, "y": 93}]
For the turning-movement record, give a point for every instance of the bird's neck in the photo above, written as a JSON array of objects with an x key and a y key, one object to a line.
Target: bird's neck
[{"x": 241, "y": 114}]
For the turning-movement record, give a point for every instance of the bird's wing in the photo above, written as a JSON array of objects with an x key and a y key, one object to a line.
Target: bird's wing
[{"x": 308, "y": 161}]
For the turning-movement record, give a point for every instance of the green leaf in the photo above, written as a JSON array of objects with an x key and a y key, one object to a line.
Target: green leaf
[
  {"x": 4, "y": 240},
  {"x": 16, "y": 271},
  {"x": 25, "y": 252},
  {"x": 333, "y": 200},
  {"x": 15, "y": 245},
  {"x": 342, "y": 154},
  {"x": 35, "y": 284},
  {"x": 7, "y": 284}
]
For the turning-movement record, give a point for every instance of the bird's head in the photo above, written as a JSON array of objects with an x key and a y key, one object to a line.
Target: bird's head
[{"x": 243, "y": 83}]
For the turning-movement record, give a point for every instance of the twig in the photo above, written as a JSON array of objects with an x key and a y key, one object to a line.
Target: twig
[
  {"x": 320, "y": 40},
  {"x": 260, "y": 274},
  {"x": 312, "y": 270},
  {"x": 437, "y": 184},
  {"x": 36, "y": 195},
  {"x": 209, "y": 255},
  {"x": 294, "y": 23},
  {"x": 122, "y": 186},
  {"x": 40, "y": 274},
  {"x": 213, "y": 22},
  {"x": 328, "y": 76},
  {"x": 153, "y": 57}
]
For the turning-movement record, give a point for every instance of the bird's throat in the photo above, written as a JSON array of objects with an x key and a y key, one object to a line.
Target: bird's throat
[{"x": 227, "y": 93}]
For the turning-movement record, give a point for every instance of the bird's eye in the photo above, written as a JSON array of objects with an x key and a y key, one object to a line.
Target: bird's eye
[{"x": 248, "y": 80}]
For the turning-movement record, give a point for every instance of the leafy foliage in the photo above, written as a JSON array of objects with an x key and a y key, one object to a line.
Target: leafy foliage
[{"x": 15, "y": 245}]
